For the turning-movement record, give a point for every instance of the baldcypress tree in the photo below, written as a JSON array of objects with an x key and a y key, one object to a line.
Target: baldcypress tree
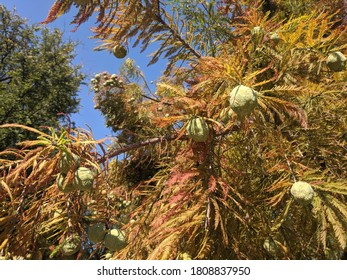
[{"x": 240, "y": 153}]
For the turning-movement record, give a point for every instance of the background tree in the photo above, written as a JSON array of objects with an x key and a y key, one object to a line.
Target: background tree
[
  {"x": 37, "y": 78},
  {"x": 200, "y": 177}
]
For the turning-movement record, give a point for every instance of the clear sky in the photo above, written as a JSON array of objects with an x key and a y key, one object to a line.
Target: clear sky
[{"x": 93, "y": 62}]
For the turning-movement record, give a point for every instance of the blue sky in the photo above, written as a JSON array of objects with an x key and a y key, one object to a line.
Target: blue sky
[{"x": 93, "y": 62}]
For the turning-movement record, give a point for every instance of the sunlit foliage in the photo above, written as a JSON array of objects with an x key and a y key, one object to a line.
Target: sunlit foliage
[{"x": 228, "y": 197}]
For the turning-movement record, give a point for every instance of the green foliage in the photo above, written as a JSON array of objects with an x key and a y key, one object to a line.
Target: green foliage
[
  {"x": 37, "y": 79},
  {"x": 228, "y": 197}
]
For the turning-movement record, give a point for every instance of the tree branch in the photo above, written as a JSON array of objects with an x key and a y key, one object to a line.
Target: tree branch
[
  {"x": 159, "y": 19},
  {"x": 156, "y": 140},
  {"x": 177, "y": 36}
]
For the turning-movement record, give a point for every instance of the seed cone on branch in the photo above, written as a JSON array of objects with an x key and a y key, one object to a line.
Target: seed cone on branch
[
  {"x": 302, "y": 191},
  {"x": 198, "y": 129},
  {"x": 243, "y": 100}
]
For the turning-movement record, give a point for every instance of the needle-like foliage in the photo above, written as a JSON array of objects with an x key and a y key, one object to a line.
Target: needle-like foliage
[{"x": 229, "y": 197}]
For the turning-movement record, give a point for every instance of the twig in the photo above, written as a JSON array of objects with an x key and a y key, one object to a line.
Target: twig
[
  {"x": 152, "y": 141},
  {"x": 159, "y": 19},
  {"x": 290, "y": 168}
]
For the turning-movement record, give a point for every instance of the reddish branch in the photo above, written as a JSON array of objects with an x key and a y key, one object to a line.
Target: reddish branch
[{"x": 152, "y": 141}]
